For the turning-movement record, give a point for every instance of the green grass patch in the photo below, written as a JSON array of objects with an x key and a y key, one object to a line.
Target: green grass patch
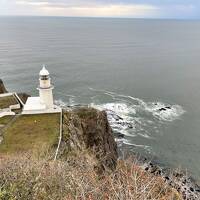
[
  {"x": 7, "y": 101},
  {"x": 5, "y": 120},
  {"x": 30, "y": 133},
  {"x": 86, "y": 113}
]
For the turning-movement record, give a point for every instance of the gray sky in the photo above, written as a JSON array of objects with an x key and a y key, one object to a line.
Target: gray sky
[{"x": 189, "y": 9}]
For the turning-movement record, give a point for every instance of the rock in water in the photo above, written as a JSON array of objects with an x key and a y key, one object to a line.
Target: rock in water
[
  {"x": 88, "y": 130},
  {"x": 2, "y": 87}
]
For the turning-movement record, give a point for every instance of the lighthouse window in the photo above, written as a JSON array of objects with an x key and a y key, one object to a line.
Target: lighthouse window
[{"x": 44, "y": 77}]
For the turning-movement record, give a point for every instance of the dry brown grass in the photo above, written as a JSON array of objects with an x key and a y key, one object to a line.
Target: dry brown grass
[{"x": 24, "y": 177}]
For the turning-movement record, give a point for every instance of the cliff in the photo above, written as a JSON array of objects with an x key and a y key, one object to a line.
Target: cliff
[
  {"x": 87, "y": 130},
  {"x": 2, "y": 87}
]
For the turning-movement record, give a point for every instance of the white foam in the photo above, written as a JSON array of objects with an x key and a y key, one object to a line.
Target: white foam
[
  {"x": 132, "y": 116},
  {"x": 119, "y": 108},
  {"x": 119, "y": 116},
  {"x": 146, "y": 147},
  {"x": 145, "y": 135},
  {"x": 122, "y": 118},
  {"x": 60, "y": 103},
  {"x": 171, "y": 114},
  {"x": 119, "y": 139},
  {"x": 165, "y": 112}
]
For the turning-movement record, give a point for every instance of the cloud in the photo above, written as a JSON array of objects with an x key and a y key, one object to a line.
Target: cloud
[
  {"x": 180, "y": 11},
  {"x": 90, "y": 8},
  {"x": 103, "y": 8}
]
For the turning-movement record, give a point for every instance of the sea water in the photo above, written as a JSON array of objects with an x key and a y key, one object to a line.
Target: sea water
[{"x": 144, "y": 73}]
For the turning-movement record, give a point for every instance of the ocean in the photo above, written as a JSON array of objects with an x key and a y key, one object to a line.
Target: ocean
[{"x": 144, "y": 73}]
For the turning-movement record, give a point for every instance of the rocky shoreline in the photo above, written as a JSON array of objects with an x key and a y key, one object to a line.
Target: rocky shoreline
[{"x": 185, "y": 184}]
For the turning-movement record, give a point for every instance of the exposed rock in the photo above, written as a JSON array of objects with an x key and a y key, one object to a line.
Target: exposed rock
[
  {"x": 87, "y": 130},
  {"x": 162, "y": 109},
  {"x": 165, "y": 108},
  {"x": 185, "y": 185},
  {"x": 2, "y": 87},
  {"x": 23, "y": 97}
]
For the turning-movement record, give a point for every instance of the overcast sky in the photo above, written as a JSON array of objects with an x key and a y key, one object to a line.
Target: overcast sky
[{"x": 103, "y": 8}]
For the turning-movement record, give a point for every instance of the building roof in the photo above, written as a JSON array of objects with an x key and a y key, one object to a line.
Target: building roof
[{"x": 34, "y": 103}]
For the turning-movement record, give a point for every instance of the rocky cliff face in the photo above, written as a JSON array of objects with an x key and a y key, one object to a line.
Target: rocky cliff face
[
  {"x": 2, "y": 87},
  {"x": 87, "y": 130},
  {"x": 23, "y": 97}
]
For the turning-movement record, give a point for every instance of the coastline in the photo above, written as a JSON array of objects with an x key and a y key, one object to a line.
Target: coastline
[{"x": 81, "y": 122}]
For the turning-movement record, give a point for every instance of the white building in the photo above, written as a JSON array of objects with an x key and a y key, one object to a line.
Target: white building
[{"x": 44, "y": 103}]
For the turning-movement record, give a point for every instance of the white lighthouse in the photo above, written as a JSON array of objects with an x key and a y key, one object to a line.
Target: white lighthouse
[
  {"x": 45, "y": 89},
  {"x": 44, "y": 103}
]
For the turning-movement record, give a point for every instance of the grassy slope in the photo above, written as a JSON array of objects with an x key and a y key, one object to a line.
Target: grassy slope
[
  {"x": 5, "y": 120},
  {"x": 29, "y": 132}
]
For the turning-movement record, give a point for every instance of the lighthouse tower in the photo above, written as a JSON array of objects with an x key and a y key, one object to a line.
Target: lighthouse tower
[
  {"x": 45, "y": 89},
  {"x": 44, "y": 102}
]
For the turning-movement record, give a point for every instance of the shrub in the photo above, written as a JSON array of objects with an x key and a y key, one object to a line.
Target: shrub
[{"x": 24, "y": 177}]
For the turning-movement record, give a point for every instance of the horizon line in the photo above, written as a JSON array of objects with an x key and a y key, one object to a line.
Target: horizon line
[{"x": 106, "y": 17}]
